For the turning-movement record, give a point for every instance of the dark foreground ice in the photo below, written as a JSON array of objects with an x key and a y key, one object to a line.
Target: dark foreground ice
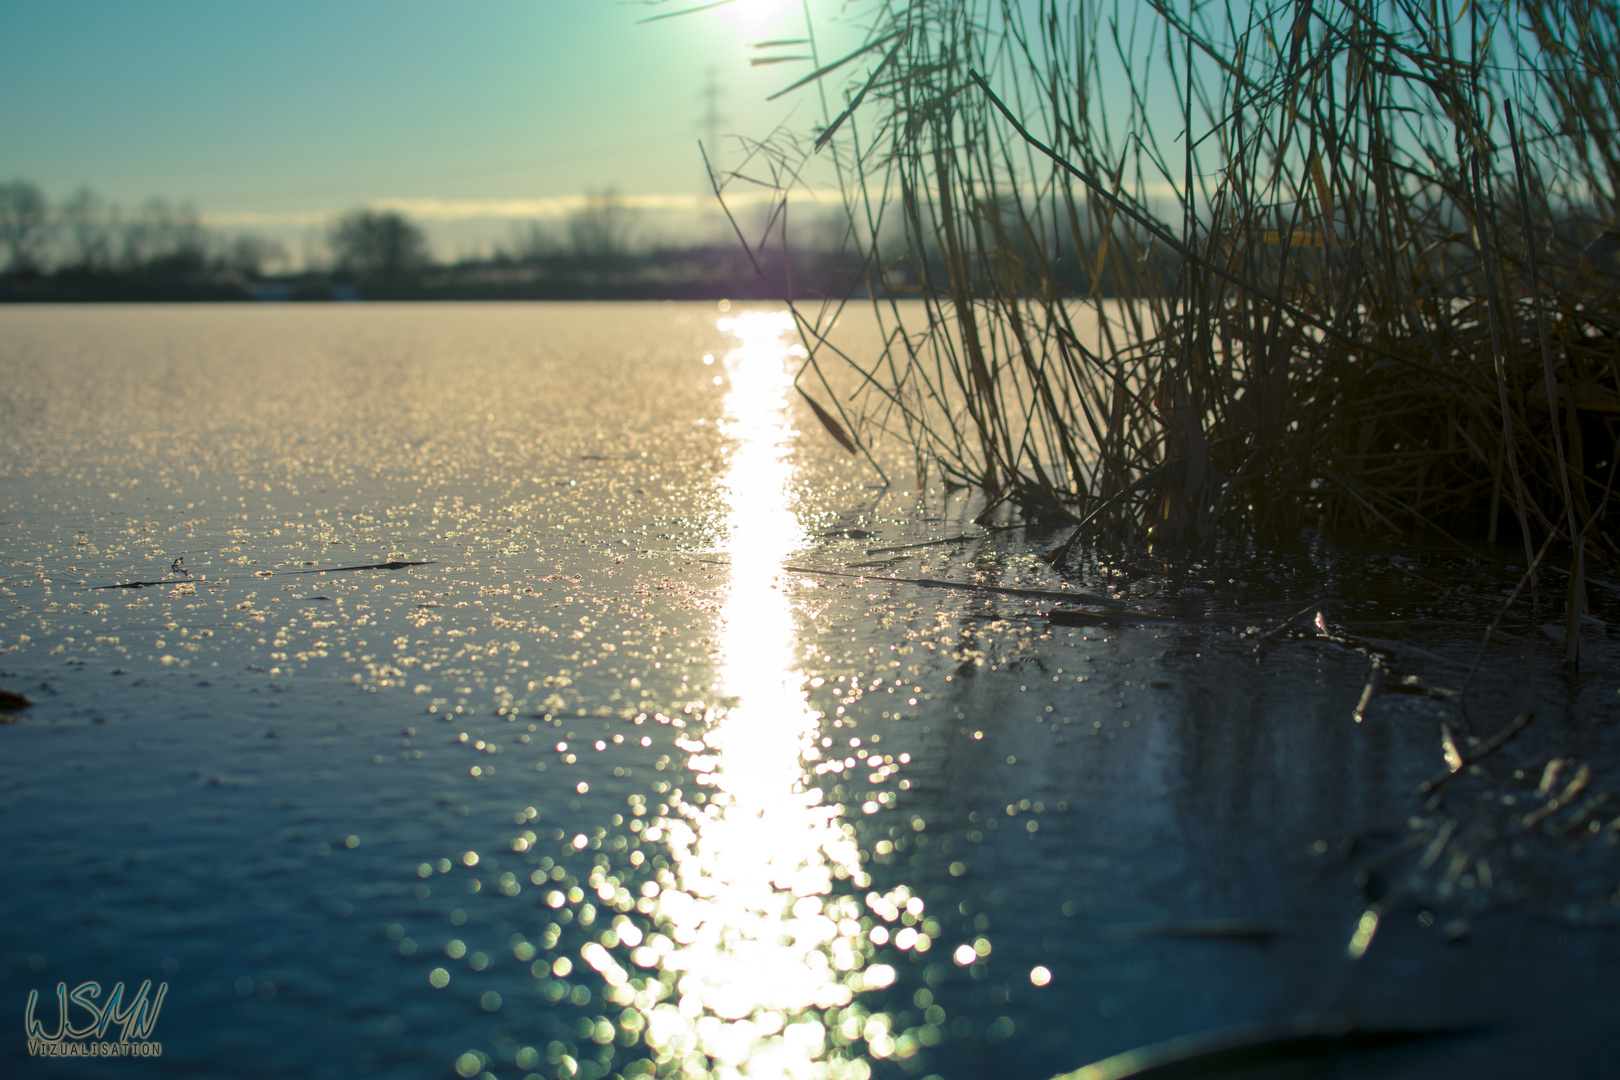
[{"x": 436, "y": 691}]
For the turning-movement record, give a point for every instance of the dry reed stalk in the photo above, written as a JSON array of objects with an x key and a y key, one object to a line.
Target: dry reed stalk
[{"x": 1324, "y": 313}]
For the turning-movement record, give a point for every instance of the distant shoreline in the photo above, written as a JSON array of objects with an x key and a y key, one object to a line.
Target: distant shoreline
[
  {"x": 707, "y": 273},
  {"x": 214, "y": 294}
]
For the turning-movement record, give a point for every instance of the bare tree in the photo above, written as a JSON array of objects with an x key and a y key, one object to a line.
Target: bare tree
[
  {"x": 249, "y": 255},
  {"x": 600, "y": 229},
  {"x": 24, "y": 221},
  {"x": 378, "y": 245},
  {"x": 89, "y": 228},
  {"x": 531, "y": 242},
  {"x": 165, "y": 240}
]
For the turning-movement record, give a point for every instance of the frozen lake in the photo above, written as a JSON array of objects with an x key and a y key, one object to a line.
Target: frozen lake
[{"x": 437, "y": 690}]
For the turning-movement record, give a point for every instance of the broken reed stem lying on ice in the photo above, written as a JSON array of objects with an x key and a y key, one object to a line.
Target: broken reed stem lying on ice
[{"x": 1339, "y": 309}]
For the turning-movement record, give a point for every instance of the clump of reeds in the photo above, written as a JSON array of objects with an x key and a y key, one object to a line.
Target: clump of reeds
[{"x": 1357, "y": 276}]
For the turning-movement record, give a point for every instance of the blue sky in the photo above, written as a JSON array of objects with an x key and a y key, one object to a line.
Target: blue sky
[{"x": 290, "y": 110}]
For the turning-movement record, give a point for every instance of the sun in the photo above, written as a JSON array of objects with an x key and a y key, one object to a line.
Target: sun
[{"x": 753, "y": 18}]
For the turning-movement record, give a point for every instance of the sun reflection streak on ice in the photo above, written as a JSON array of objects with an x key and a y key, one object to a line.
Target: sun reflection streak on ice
[{"x": 763, "y": 947}]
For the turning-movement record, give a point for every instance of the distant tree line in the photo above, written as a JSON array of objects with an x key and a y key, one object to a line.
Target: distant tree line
[
  {"x": 84, "y": 235},
  {"x": 84, "y": 248}
]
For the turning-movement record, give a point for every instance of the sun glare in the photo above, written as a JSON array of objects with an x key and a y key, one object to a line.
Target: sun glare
[
  {"x": 764, "y": 943},
  {"x": 758, "y": 17}
]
